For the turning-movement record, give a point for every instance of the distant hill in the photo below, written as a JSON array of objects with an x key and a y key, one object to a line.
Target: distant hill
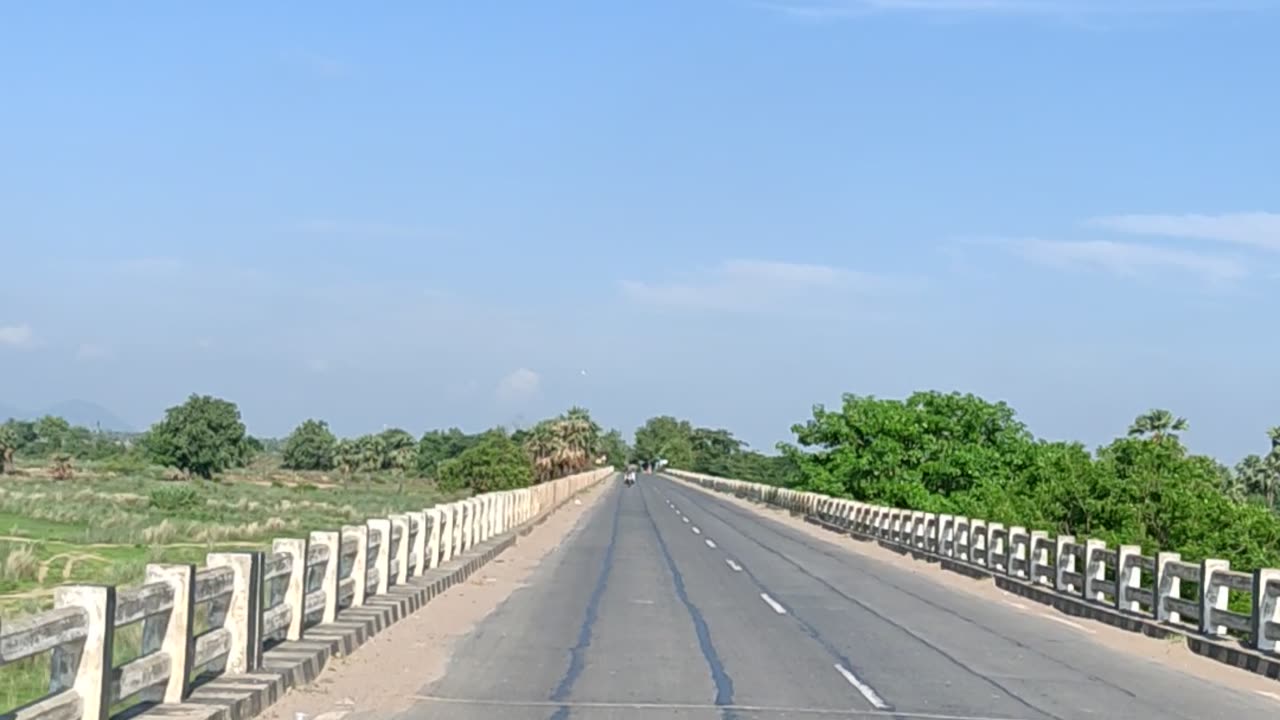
[{"x": 76, "y": 412}]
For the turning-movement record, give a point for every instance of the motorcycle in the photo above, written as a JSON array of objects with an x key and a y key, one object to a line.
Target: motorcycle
[{"x": 629, "y": 479}]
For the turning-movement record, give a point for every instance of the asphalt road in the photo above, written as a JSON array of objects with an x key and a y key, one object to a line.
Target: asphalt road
[{"x": 667, "y": 602}]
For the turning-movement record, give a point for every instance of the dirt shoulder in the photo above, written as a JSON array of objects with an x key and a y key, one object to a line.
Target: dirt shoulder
[
  {"x": 383, "y": 676},
  {"x": 1171, "y": 653}
]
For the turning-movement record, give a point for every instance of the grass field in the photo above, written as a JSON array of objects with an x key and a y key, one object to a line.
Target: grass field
[{"x": 106, "y": 523}]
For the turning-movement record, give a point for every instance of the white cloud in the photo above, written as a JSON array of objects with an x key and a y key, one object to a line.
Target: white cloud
[
  {"x": 92, "y": 351},
  {"x": 518, "y": 386},
  {"x": 744, "y": 285},
  {"x": 1127, "y": 259},
  {"x": 16, "y": 336},
  {"x": 1256, "y": 229},
  {"x": 837, "y": 9}
]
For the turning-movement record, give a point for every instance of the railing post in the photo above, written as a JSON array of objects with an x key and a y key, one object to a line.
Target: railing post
[
  {"x": 1038, "y": 546},
  {"x": 1128, "y": 575},
  {"x": 961, "y": 541},
  {"x": 434, "y": 516},
  {"x": 1017, "y": 555},
  {"x": 1095, "y": 569},
  {"x": 946, "y": 535},
  {"x": 1266, "y": 607},
  {"x": 1167, "y": 585},
  {"x": 1212, "y": 596},
  {"x": 329, "y": 580},
  {"x": 996, "y": 542},
  {"x": 244, "y": 612},
  {"x": 85, "y": 666},
  {"x": 381, "y": 560},
  {"x": 978, "y": 541},
  {"x": 359, "y": 563},
  {"x": 1064, "y": 561},
  {"x": 400, "y": 521},
  {"x": 171, "y": 633},
  {"x": 295, "y": 590},
  {"x": 446, "y": 532},
  {"x": 419, "y": 550}
]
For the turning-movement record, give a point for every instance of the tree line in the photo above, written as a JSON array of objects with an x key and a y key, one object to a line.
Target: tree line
[
  {"x": 205, "y": 436},
  {"x": 960, "y": 454}
]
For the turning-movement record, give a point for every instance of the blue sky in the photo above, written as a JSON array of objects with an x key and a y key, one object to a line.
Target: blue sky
[{"x": 443, "y": 214}]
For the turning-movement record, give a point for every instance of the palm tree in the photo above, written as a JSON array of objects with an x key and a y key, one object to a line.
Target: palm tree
[
  {"x": 8, "y": 446},
  {"x": 346, "y": 456},
  {"x": 541, "y": 445},
  {"x": 1158, "y": 424}
]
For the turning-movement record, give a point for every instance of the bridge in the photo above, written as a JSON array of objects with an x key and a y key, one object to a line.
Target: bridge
[{"x": 685, "y": 596}]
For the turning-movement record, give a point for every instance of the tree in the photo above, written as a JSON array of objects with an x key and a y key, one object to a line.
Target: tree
[
  {"x": 398, "y": 449},
  {"x": 8, "y": 447},
  {"x": 203, "y": 436},
  {"x": 436, "y": 446},
  {"x": 346, "y": 456},
  {"x": 52, "y": 435},
  {"x": 495, "y": 462},
  {"x": 665, "y": 438},
  {"x": 614, "y": 447},
  {"x": 311, "y": 446},
  {"x": 1157, "y": 424}
]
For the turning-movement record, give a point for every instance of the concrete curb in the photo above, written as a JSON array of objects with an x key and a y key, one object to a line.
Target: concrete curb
[
  {"x": 1223, "y": 652},
  {"x": 294, "y": 664}
]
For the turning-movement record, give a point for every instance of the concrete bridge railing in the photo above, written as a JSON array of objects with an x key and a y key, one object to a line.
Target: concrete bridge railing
[
  {"x": 1189, "y": 598},
  {"x": 201, "y": 622}
]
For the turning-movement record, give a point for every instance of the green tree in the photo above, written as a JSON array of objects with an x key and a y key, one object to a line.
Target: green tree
[
  {"x": 311, "y": 446},
  {"x": 398, "y": 449},
  {"x": 1157, "y": 424},
  {"x": 8, "y": 447},
  {"x": 436, "y": 446},
  {"x": 495, "y": 462},
  {"x": 203, "y": 436},
  {"x": 614, "y": 447},
  {"x": 665, "y": 438},
  {"x": 53, "y": 434}
]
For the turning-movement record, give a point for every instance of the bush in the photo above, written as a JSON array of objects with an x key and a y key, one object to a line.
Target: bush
[
  {"x": 176, "y": 498},
  {"x": 310, "y": 447},
  {"x": 204, "y": 435},
  {"x": 496, "y": 462}
]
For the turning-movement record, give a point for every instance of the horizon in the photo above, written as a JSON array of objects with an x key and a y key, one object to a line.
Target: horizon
[{"x": 726, "y": 212}]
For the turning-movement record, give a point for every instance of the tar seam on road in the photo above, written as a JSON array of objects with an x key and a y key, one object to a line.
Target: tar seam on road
[
  {"x": 874, "y": 613},
  {"x": 769, "y": 525},
  {"x": 577, "y": 653},
  {"x": 723, "y": 683}
]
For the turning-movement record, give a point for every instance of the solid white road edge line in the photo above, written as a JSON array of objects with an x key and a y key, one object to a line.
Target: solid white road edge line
[
  {"x": 1068, "y": 623},
  {"x": 777, "y": 607},
  {"x": 864, "y": 689}
]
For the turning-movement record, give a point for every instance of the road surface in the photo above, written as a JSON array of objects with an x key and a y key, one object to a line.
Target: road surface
[{"x": 667, "y": 602}]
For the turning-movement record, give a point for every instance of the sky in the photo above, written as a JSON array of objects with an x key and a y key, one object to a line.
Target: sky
[{"x": 476, "y": 213}]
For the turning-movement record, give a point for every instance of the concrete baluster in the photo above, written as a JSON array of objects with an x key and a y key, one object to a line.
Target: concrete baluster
[
  {"x": 401, "y": 548},
  {"x": 1038, "y": 565},
  {"x": 977, "y": 541},
  {"x": 85, "y": 665},
  {"x": 1167, "y": 585},
  {"x": 1128, "y": 575},
  {"x": 946, "y": 535},
  {"x": 1212, "y": 596},
  {"x": 329, "y": 578},
  {"x": 359, "y": 563},
  {"x": 244, "y": 612},
  {"x": 1266, "y": 607},
  {"x": 382, "y": 559},
  {"x": 1095, "y": 569},
  {"x": 446, "y": 532},
  {"x": 295, "y": 590},
  {"x": 997, "y": 540},
  {"x": 419, "y": 550},
  {"x": 170, "y": 633},
  {"x": 1064, "y": 562},
  {"x": 1016, "y": 563}
]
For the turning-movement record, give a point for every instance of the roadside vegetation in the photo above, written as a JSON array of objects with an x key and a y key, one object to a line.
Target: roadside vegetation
[
  {"x": 82, "y": 506},
  {"x": 961, "y": 454}
]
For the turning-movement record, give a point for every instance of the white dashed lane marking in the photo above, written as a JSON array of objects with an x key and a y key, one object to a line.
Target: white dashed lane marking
[
  {"x": 682, "y": 517},
  {"x": 777, "y": 607},
  {"x": 733, "y": 565},
  {"x": 711, "y": 543},
  {"x": 863, "y": 689},
  {"x": 696, "y": 531}
]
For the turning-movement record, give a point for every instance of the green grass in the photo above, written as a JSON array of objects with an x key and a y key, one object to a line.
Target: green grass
[{"x": 105, "y": 524}]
